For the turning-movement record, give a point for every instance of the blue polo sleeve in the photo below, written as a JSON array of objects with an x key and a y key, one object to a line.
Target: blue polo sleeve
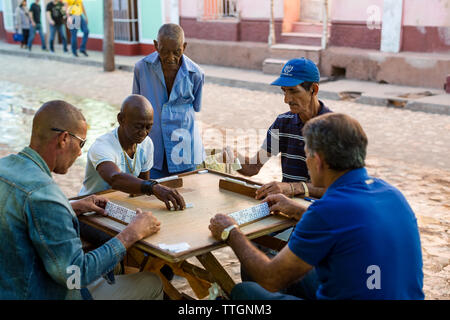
[
  {"x": 312, "y": 238},
  {"x": 272, "y": 142}
]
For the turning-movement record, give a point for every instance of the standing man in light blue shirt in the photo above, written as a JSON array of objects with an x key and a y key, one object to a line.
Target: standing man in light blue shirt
[{"x": 173, "y": 84}]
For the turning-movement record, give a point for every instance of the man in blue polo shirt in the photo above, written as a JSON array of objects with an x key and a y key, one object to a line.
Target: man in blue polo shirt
[
  {"x": 361, "y": 237},
  {"x": 299, "y": 81}
]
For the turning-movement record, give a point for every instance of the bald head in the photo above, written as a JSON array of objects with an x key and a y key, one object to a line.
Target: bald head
[
  {"x": 136, "y": 104},
  {"x": 171, "y": 31},
  {"x": 55, "y": 114},
  {"x": 135, "y": 119}
]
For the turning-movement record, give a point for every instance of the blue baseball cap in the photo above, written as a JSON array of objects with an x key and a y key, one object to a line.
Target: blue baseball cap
[{"x": 297, "y": 71}]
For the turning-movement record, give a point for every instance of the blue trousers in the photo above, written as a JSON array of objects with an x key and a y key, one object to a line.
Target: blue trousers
[
  {"x": 73, "y": 34},
  {"x": 60, "y": 29},
  {"x": 33, "y": 30},
  {"x": 303, "y": 289}
]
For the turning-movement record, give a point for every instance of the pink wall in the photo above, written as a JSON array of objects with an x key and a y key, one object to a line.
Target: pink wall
[
  {"x": 188, "y": 8},
  {"x": 353, "y": 10},
  {"x": 250, "y": 9},
  {"x": 426, "y": 26},
  {"x": 432, "y": 13},
  {"x": 415, "y": 12},
  {"x": 260, "y": 9},
  {"x": 349, "y": 23}
]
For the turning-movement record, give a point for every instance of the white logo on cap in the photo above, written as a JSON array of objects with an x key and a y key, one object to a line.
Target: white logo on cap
[{"x": 287, "y": 69}]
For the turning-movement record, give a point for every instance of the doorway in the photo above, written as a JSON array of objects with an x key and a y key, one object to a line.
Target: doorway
[{"x": 311, "y": 10}]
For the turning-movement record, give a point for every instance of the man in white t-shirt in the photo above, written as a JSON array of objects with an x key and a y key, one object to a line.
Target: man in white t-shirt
[{"x": 122, "y": 159}]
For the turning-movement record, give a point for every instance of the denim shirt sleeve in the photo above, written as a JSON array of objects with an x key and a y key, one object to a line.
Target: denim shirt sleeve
[{"x": 54, "y": 232}]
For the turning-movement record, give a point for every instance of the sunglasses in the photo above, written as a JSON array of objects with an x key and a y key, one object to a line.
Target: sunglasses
[{"x": 82, "y": 141}]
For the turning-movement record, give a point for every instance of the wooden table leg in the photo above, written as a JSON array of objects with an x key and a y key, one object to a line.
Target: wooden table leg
[
  {"x": 199, "y": 279},
  {"x": 221, "y": 276},
  {"x": 184, "y": 269}
]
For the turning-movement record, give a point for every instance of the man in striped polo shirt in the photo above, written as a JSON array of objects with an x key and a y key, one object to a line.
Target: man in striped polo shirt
[{"x": 299, "y": 80}]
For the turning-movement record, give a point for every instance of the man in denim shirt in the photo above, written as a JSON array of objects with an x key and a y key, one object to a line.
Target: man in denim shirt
[
  {"x": 173, "y": 84},
  {"x": 42, "y": 255}
]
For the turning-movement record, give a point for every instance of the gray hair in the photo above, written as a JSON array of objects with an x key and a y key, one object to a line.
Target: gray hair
[
  {"x": 339, "y": 138},
  {"x": 171, "y": 31}
]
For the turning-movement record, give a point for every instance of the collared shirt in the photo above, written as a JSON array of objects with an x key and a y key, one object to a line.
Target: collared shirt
[
  {"x": 285, "y": 136},
  {"x": 107, "y": 148},
  {"x": 40, "y": 247},
  {"x": 362, "y": 237},
  {"x": 175, "y": 131}
]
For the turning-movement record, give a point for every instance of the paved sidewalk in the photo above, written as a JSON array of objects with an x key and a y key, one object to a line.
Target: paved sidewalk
[
  {"x": 407, "y": 149},
  {"x": 365, "y": 92}
]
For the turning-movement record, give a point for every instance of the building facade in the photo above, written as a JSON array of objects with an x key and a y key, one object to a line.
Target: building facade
[
  {"x": 136, "y": 22},
  {"x": 294, "y": 21},
  {"x": 377, "y": 40},
  {"x": 385, "y": 25},
  {"x": 391, "y": 25}
]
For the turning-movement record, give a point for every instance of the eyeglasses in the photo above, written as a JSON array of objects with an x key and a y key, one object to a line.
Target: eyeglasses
[{"x": 82, "y": 141}]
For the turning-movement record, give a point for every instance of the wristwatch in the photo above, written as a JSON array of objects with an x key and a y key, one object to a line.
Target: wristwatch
[
  {"x": 226, "y": 232},
  {"x": 147, "y": 186}
]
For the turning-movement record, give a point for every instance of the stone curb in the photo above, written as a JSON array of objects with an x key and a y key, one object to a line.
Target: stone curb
[
  {"x": 404, "y": 104},
  {"x": 251, "y": 85}
]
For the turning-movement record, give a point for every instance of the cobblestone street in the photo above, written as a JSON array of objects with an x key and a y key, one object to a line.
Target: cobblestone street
[{"x": 408, "y": 149}]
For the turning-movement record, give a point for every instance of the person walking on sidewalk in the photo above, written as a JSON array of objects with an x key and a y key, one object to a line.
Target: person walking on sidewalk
[
  {"x": 22, "y": 22},
  {"x": 75, "y": 11},
  {"x": 55, "y": 17},
  {"x": 35, "y": 15}
]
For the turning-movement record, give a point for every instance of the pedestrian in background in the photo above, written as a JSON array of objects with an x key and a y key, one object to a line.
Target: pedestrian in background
[
  {"x": 23, "y": 22},
  {"x": 75, "y": 19},
  {"x": 35, "y": 16},
  {"x": 55, "y": 16}
]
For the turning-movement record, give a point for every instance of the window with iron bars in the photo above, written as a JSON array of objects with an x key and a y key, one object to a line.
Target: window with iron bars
[
  {"x": 219, "y": 9},
  {"x": 126, "y": 25}
]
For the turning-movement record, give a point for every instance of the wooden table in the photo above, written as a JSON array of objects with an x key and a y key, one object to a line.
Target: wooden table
[{"x": 191, "y": 226}]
